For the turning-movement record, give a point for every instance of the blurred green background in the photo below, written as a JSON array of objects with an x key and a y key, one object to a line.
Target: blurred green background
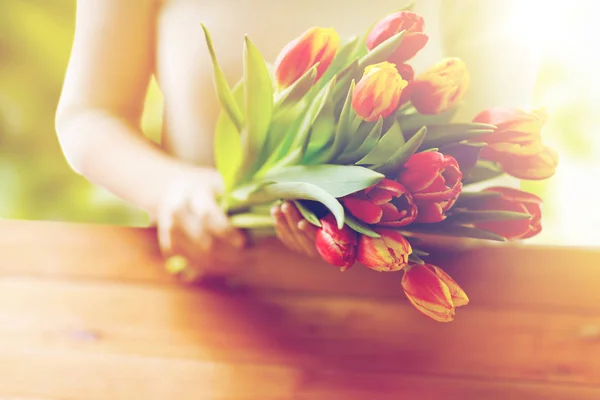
[{"x": 37, "y": 183}]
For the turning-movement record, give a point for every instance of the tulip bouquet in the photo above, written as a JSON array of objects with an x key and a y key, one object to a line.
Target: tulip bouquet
[{"x": 370, "y": 154}]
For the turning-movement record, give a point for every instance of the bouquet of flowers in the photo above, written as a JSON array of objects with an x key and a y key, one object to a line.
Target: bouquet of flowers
[{"x": 371, "y": 155}]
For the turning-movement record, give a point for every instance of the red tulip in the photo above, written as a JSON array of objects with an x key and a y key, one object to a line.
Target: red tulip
[
  {"x": 517, "y": 201},
  {"x": 387, "y": 203},
  {"x": 316, "y": 45},
  {"x": 433, "y": 292},
  {"x": 336, "y": 246},
  {"x": 378, "y": 92},
  {"x": 440, "y": 87},
  {"x": 389, "y": 252},
  {"x": 413, "y": 41},
  {"x": 516, "y": 143},
  {"x": 434, "y": 179}
]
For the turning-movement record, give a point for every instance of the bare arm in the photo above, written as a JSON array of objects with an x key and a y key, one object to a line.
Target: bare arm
[{"x": 98, "y": 118}]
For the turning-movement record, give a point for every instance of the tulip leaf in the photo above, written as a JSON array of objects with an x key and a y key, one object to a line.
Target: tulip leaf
[
  {"x": 466, "y": 154},
  {"x": 415, "y": 259},
  {"x": 444, "y": 134},
  {"x": 446, "y": 229},
  {"x": 475, "y": 199},
  {"x": 382, "y": 52},
  {"x": 344, "y": 79},
  {"x": 420, "y": 253},
  {"x": 385, "y": 147},
  {"x": 258, "y": 106},
  {"x": 360, "y": 227},
  {"x": 482, "y": 171},
  {"x": 297, "y": 90},
  {"x": 303, "y": 135},
  {"x": 298, "y": 191},
  {"x": 337, "y": 180},
  {"x": 342, "y": 130},
  {"x": 228, "y": 146},
  {"x": 411, "y": 121},
  {"x": 344, "y": 56},
  {"x": 307, "y": 214},
  {"x": 367, "y": 144},
  {"x": 470, "y": 217},
  {"x": 322, "y": 131},
  {"x": 226, "y": 98},
  {"x": 402, "y": 155}
]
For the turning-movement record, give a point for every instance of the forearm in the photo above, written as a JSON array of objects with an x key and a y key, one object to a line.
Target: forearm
[{"x": 112, "y": 153}]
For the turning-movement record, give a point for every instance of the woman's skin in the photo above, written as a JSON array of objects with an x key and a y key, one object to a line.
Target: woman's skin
[{"x": 120, "y": 44}]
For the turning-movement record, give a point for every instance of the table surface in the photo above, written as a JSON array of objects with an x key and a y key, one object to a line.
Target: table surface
[{"x": 87, "y": 312}]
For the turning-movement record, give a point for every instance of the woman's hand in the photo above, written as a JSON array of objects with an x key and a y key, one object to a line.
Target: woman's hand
[
  {"x": 191, "y": 225},
  {"x": 294, "y": 231}
]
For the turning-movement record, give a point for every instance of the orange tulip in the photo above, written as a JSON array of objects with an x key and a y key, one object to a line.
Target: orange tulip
[
  {"x": 378, "y": 93},
  {"x": 516, "y": 143},
  {"x": 316, "y": 45},
  {"x": 433, "y": 292},
  {"x": 440, "y": 87},
  {"x": 389, "y": 252}
]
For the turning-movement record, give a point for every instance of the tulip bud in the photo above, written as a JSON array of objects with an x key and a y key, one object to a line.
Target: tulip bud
[
  {"x": 440, "y": 87},
  {"x": 517, "y": 201},
  {"x": 516, "y": 143},
  {"x": 435, "y": 181},
  {"x": 316, "y": 45},
  {"x": 389, "y": 252},
  {"x": 413, "y": 41},
  {"x": 387, "y": 203},
  {"x": 336, "y": 246},
  {"x": 378, "y": 92},
  {"x": 433, "y": 292}
]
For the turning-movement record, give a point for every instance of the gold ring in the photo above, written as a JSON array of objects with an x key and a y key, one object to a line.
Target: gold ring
[{"x": 176, "y": 264}]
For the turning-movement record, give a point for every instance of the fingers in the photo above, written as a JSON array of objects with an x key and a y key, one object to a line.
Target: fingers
[
  {"x": 282, "y": 229},
  {"x": 294, "y": 231},
  {"x": 210, "y": 222}
]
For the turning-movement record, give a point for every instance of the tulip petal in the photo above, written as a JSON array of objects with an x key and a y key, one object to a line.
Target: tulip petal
[
  {"x": 459, "y": 297},
  {"x": 364, "y": 210},
  {"x": 428, "y": 293}
]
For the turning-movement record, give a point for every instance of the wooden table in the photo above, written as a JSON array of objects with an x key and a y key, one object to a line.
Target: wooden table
[{"x": 86, "y": 312}]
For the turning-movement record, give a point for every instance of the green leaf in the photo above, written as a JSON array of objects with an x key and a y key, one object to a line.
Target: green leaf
[
  {"x": 382, "y": 52},
  {"x": 367, "y": 144},
  {"x": 322, "y": 133},
  {"x": 414, "y": 258},
  {"x": 297, "y": 90},
  {"x": 258, "y": 103},
  {"x": 302, "y": 137},
  {"x": 251, "y": 221},
  {"x": 403, "y": 154},
  {"x": 298, "y": 191},
  {"x": 337, "y": 180},
  {"x": 445, "y": 229},
  {"x": 412, "y": 122},
  {"x": 385, "y": 147},
  {"x": 224, "y": 94},
  {"x": 475, "y": 199},
  {"x": 482, "y": 171},
  {"x": 228, "y": 146},
  {"x": 470, "y": 217},
  {"x": 307, "y": 214},
  {"x": 342, "y": 130},
  {"x": 343, "y": 58},
  {"x": 420, "y": 253},
  {"x": 440, "y": 135},
  {"x": 344, "y": 79},
  {"x": 360, "y": 227}
]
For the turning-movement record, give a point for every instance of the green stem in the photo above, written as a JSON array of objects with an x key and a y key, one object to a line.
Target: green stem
[{"x": 252, "y": 221}]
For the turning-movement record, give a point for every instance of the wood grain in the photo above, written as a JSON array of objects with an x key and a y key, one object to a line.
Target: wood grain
[{"x": 87, "y": 312}]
